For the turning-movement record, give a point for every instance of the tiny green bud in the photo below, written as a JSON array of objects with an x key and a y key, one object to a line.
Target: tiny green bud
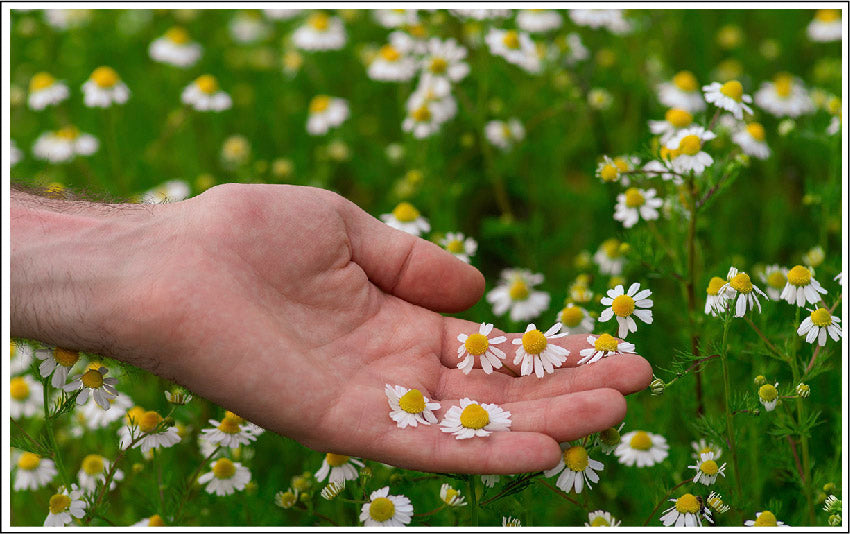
[
  {"x": 829, "y": 487},
  {"x": 656, "y": 387},
  {"x": 610, "y": 436},
  {"x": 834, "y": 520},
  {"x": 803, "y": 390},
  {"x": 366, "y": 472},
  {"x": 759, "y": 381}
]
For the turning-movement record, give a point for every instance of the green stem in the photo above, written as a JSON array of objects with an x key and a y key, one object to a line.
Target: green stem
[
  {"x": 691, "y": 284},
  {"x": 801, "y": 418},
  {"x": 730, "y": 435},
  {"x": 48, "y": 422},
  {"x": 473, "y": 498}
]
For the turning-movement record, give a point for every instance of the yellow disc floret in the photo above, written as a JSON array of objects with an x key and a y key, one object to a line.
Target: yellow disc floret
[
  {"x": 511, "y": 40},
  {"x": 224, "y": 468},
  {"x": 687, "y": 504},
  {"x": 59, "y": 503},
  {"x": 336, "y": 460},
  {"x": 609, "y": 172},
  {"x": 709, "y": 467},
  {"x": 455, "y": 246},
  {"x": 230, "y": 425},
  {"x": 611, "y": 247},
  {"x": 799, "y": 276},
  {"x": 438, "y": 65},
  {"x": 768, "y": 393},
  {"x": 623, "y": 306},
  {"x": 765, "y": 519},
  {"x": 177, "y": 35},
  {"x": 207, "y": 83},
  {"x": 606, "y": 342},
  {"x": 451, "y": 494},
  {"x": 821, "y": 317},
  {"x": 679, "y": 118},
  {"x": 776, "y": 280},
  {"x": 319, "y": 103},
  {"x": 518, "y": 289},
  {"x": 156, "y": 521},
  {"x": 381, "y": 509},
  {"x": 19, "y": 389},
  {"x": 412, "y": 402},
  {"x": 733, "y": 89},
  {"x": 149, "y": 421},
  {"x": 476, "y": 344},
  {"x": 421, "y": 114},
  {"x": 104, "y": 77},
  {"x": 389, "y": 53},
  {"x": 641, "y": 441},
  {"x": 783, "y": 83},
  {"x": 66, "y": 358},
  {"x": 29, "y": 461},
  {"x": 405, "y": 212},
  {"x": 741, "y": 282},
  {"x": 92, "y": 379},
  {"x": 474, "y": 417},
  {"x": 690, "y": 145},
  {"x": 319, "y": 21},
  {"x": 714, "y": 285},
  {"x": 634, "y": 198},
  {"x": 41, "y": 80},
  {"x": 571, "y": 316},
  {"x": 533, "y": 341},
  {"x": 686, "y": 81},
  {"x": 93, "y": 464},
  {"x": 575, "y": 458},
  {"x": 600, "y": 521}
]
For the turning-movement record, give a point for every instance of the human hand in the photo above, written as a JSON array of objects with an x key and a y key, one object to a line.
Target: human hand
[{"x": 293, "y": 308}]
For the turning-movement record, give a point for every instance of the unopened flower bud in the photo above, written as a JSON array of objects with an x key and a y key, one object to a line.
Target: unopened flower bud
[
  {"x": 803, "y": 390},
  {"x": 829, "y": 487},
  {"x": 834, "y": 520},
  {"x": 656, "y": 387},
  {"x": 759, "y": 381}
]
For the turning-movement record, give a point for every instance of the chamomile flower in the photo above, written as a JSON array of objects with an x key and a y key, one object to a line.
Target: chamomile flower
[
  {"x": 536, "y": 354},
  {"x": 392, "y": 65},
  {"x": 715, "y": 502},
  {"x": 64, "y": 506},
  {"x": 702, "y": 446},
  {"x": 471, "y": 419},
  {"x": 516, "y": 47},
  {"x": 103, "y": 88},
  {"x": 515, "y": 292},
  {"x": 64, "y": 19},
  {"x": 602, "y": 347},
  {"x": 635, "y": 204},
  {"x": 601, "y": 518},
  {"x": 743, "y": 291},
  {"x": 94, "y": 382},
  {"x": 490, "y": 480},
  {"x": 826, "y": 26},
  {"x": 764, "y": 519},
  {"x": 451, "y": 496},
  {"x": 663, "y": 168},
  {"x": 818, "y": 324},
  {"x": 687, "y": 144},
  {"x": 385, "y": 510},
  {"x": 25, "y": 397},
  {"x": 169, "y": 191},
  {"x": 229, "y": 432},
  {"x": 326, "y": 112},
  {"x": 15, "y": 154},
  {"x": 21, "y": 356},
  {"x": 729, "y": 96},
  {"x": 64, "y": 144},
  {"x": 93, "y": 470},
  {"x": 33, "y": 471},
  {"x": 575, "y": 320},
  {"x": 461, "y": 246},
  {"x": 57, "y": 361},
  {"x": 281, "y": 14},
  {"x": 769, "y": 396},
  {"x": 481, "y": 14},
  {"x": 576, "y": 469},
  {"x": 813, "y": 257},
  {"x": 751, "y": 140},
  {"x": 511, "y": 522},
  {"x": 149, "y": 425},
  {"x": 406, "y": 217},
  {"x": 409, "y": 407},
  {"x": 320, "y": 32},
  {"x": 607, "y": 170},
  {"x": 840, "y": 279},
  {"x": 444, "y": 62},
  {"x": 707, "y": 469},
  {"x": 717, "y": 295},
  {"x": 96, "y": 417},
  {"x": 623, "y": 305},
  {"x": 226, "y": 477},
  {"x": 685, "y": 512},
  {"x": 423, "y": 118},
  {"x": 572, "y": 47},
  {"x": 480, "y": 345},
  {"x": 152, "y": 521},
  {"x": 641, "y": 448},
  {"x": 504, "y": 134},
  {"x": 175, "y": 48},
  {"x": 45, "y": 90},
  {"x": 801, "y": 287},
  {"x": 682, "y": 92},
  {"x": 785, "y": 96},
  {"x": 609, "y": 257},
  {"x": 204, "y": 94},
  {"x": 248, "y": 27},
  {"x": 610, "y": 19},
  {"x": 675, "y": 119},
  {"x": 286, "y": 499},
  {"x": 395, "y": 18},
  {"x": 338, "y": 468},
  {"x": 538, "y": 20}
]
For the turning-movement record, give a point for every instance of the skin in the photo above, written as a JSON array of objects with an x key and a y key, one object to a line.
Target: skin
[{"x": 293, "y": 307}]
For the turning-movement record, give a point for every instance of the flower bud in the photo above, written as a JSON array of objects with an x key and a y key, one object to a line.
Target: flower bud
[
  {"x": 803, "y": 390},
  {"x": 829, "y": 487},
  {"x": 759, "y": 381},
  {"x": 656, "y": 387},
  {"x": 834, "y": 520}
]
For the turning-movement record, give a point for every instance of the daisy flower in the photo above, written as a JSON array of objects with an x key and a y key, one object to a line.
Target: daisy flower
[
  {"x": 408, "y": 407},
  {"x": 682, "y": 92},
  {"x": 611, "y": 19},
  {"x": 462, "y": 247},
  {"x": 93, "y": 470},
  {"x": 803, "y": 390},
  {"x": 702, "y": 446},
  {"x": 423, "y": 118},
  {"x": 338, "y": 468},
  {"x": 392, "y": 65},
  {"x": 785, "y": 96},
  {"x": 444, "y": 62},
  {"x": 717, "y": 295},
  {"x": 93, "y": 381},
  {"x": 609, "y": 257},
  {"x": 511, "y": 522},
  {"x": 226, "y": 477},
  {"x": 281, "y": 14},
  {"x": 602, "y": 347},
  {"x": 65, "y": 506},
  {"x": 96, "y": 417},
  {"x": 490, "y": 480},
  {"x": 575, "y": 320},
  {"x": 385, "y": 510},
  {"x": 204, "y": 94},
  {"x": 818, "y": 324},
  {"x": 45, "y": 90},
  {"x": 814, "y": 257},
  {"x": 62, "y": 145},
  {"x": 576, "y": 469},
  {"x": 15, "y": 154},
  {"x": 395, "y": 18},
  {"x": 169, "y": 191},
  {"x": 320, "y": 32},
  {"x": 248, "y": 27},
  {"x": 801, "y": 287},
  {"x": 729, "y": 96},
  {"x": 826, "y": 26},
  {"x": 715, "y": 502},
  {"x": 687, "y": 144},
  {"x": 149, "y": 424},
  {"x": 535, "y": 352},
  {"x": 635, "y": 204},
  {"x": 625, "y": 304},
  {"x": 840, "y": 279},
  {"x": 538, "y": 20},
  {"x": 707, "y": 469},
  {"x": 769, "y": 396},
  {"x": 451, "y": 496},
  {"x": 685, "y": 512},
  {"x": 481, "y": 14},
  {"x": 741, "y": 287},
  {"x": 25, "y": 397},
  {"x": 33, "y": 471},
  {"x": 751, "y": 140},
  {"x": 57, "y": 361},
  {"x": 504, "y": 134},
  {"x": 515, "y": 292},
  {"x": 516, "y": 47},
  {"x": 601, "y": 518},
  {"x": 63, "y": 19},
  {"x": 572, "y": 47},
  {"x": 103, "y": 88},
  {"x": 152, "y": 521},
  {"x": 286, "y": 499},
  {"x": 471, "y": 419},
  {"x": 406, "y": 217},
  {"x": 21, "y": 356},
  {"x": 641, "y": 448},
  {"x": 607, "y": 170},
  {"x": 480, "y": 345},
  {"x": 175, "y": 48},
  {"x": 326, "y": 112},
  {"x": 674, "y": 120},
  {"x": 764, "y": 519},
  {"x": 229, "y": 432}
]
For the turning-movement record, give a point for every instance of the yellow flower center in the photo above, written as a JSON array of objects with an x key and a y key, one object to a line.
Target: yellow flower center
[
  {"x": 230, "y": 425},
  {"x": 335, "y": 460},
  {"x": 319, "y": 21},
  {"x": 571, "y": 316},
  {"x": 230, "y": 415},
  {"x": 438, "y": 65},
  {"x": 634, "y": 198},
  {"x": 156, "y": 521},
  {"x": 207, "y": 83},
  {"x": 733, "y": 89},
  {"x": 405, "y": 212},
  {"x": 412, "y": 402},
  {"x": 29, "y": 461},
  {"x": 177, "y": 35},
  {"x": 421, "y": 114},
  {"x": 69, "y": 133},
  {"x": 821, "y": 317},
  {"x": 93, "y": 464},
  {"x": 606, "y": 342},
  {"x": 575, "y": 458},
  {"x": 756, "y": 131},
  {"x": 783, "y": 83},
  {"x": 92, "y": 379},
  {"x": 41, "y": 80},
  {"x": 455, "y": 246},
  {"x": 533, "y": 341},
  {"x": 741, "y": 282},
  {"x": 686, "y": 81},
  {"x": 827, "y": 15},
  {"x": 765, "y": 519},
  {"x": 474, "y": 416},
  {"x": 104, "y": 76},
  {"x": 611, "y": 247},
  {"x": 451, "y": 493},
  {"x": 610, "y": 436},
  {"x": 518, "y": 290},
  {"x": 417, "y": 30},
  {"x": 687, "y": 504},
  {"x": 690, "y": 145},
  {"x": 389, "y": 53},
  {"x": 714, "y": 285},
  {"x": 641, "y": 441},
  {"x": 799, "y": 276},
  {"x": 511, "y": 39},
  {"x": 768, "y": 393},
  {"x": 20, "y": 390},
  {"x": 622, "y": 164},
  {"x": 600, "y": 521},
  {"x": 715, "y": 502},
  {"x": 609, "y": 172},
  {"x": 224, "y": 469},
  {"x": 476, "y": 344},
  {"x": 623, "y": 306},
  {"x": 319, "y": 103},
  {"x": 668, "y": 154},
  {"x": 678, "y": 117},
  {"x": 134, "y": 415},
  {"x": 709, "y": 467},
  {"x": 66, "y": 358},
  {"x": 381, "y": 509},
  {"x": 149, "y": 421},
  {"x": 59, "y": 503}
]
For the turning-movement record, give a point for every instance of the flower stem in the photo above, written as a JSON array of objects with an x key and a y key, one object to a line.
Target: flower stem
[
  {"x": 657, "y": 506},
  {"x": 48, "y": 422},
  {"x": 730, "y": 434},
  {"x": 473, "y": 498},
  {"x": 690, "y": 286}
]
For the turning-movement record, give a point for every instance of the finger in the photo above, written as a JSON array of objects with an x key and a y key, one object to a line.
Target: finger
[{"x": 411, "y": 268}]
